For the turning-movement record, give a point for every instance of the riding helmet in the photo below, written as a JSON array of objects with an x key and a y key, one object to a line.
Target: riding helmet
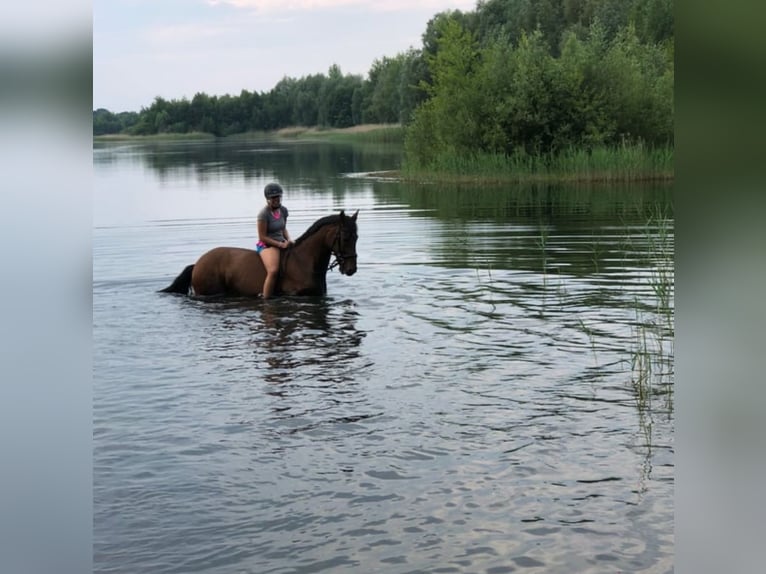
[{"x": 272, "y": 190}]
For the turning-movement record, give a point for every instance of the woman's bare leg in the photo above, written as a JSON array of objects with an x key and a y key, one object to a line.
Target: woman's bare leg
[{"x": 270, "y": 257}]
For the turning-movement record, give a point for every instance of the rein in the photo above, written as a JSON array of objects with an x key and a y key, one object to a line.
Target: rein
[{"x": 338, "y": 252}]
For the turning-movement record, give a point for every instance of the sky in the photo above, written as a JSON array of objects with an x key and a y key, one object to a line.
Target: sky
[{"x": 176, "y": 48}]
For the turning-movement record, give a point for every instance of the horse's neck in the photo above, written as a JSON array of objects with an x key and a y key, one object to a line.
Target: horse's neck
[
  {"x": 313, "y": 253},
  {"x": 316, "y": 249},
  {"x": 307, "y": 262}
]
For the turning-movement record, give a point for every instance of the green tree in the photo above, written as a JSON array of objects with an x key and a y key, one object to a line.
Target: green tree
[
  {"x": 336, "y": 99},
  {"x": 106, "y": 122},
  {"x": 384, "y": 99},
  {"x": 202, "y": 112},
  {"x": 413, "y": 75},
  {"x": 306, "y": 110},
  {"x": 280, "y": 102},
  {"x": 450, "y": 119},
  {"x": 654, "y": 20}
]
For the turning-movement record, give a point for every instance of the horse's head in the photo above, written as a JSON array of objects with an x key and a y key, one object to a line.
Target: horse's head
[{"x": 344, "y": 245}]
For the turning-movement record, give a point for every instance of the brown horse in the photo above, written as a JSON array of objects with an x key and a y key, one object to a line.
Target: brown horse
[{"x": 235, "y": 271}]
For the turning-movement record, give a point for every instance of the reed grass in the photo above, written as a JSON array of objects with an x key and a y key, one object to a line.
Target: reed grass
[
  {"x": 391, "y": 135},
  {"x": 635, "y": 162},
  {"x": 653, "y": 354},
  {"x": 591, "y": 337},
  {"x": 363, "y": 134},
  {"x": 660, "y": 241},
  {"x": 651, "y": 364}
]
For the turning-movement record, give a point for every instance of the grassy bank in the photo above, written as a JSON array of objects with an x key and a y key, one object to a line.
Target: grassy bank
[
  {"x": 619, "y": 164},
  {"x": 626, "y": 163},
  {"x": 155, "y": 137},
  {"x": 368, "y": 133}
]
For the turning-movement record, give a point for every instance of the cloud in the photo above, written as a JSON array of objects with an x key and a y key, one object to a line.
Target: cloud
[
  {"x": 372, "y": 5},
  {"x": 285, "y": 5},
  {"x": 180, "y": 34}
]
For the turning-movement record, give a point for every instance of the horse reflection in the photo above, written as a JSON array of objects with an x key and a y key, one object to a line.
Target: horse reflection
[{"x": 312, "y": 339}]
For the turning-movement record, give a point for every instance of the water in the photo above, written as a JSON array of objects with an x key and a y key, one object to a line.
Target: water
[{"x": 464, "y": 403}]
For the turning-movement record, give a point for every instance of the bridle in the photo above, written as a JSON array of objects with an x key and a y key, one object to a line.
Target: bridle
[{"x": 337, "y": 249}]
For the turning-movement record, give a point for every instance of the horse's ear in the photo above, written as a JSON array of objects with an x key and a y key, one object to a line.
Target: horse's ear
[
  {"x": 342, "y": 214},
  {"x": 353, "y": 217}
]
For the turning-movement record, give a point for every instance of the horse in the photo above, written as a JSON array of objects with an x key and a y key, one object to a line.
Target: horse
[{"x": 239, "y": 272}]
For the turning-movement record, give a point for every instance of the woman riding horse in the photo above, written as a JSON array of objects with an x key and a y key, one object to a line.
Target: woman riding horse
[
  {"x": 235, "y": 271},
  {"x": 273, "y": 236}
]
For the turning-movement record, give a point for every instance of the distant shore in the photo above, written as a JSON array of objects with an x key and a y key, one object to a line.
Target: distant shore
[{"x": 293, "y": 132}]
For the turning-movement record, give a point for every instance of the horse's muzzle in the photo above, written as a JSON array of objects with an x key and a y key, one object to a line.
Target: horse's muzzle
[{"x": 348, "y": 265}]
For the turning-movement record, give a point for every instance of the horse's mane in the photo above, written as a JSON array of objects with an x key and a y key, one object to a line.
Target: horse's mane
[{"x": 318, "y": 224}]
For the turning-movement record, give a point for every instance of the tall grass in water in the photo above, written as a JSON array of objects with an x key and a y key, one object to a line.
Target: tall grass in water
[
  {"x": 653, "y": 354},
  {"x": 635, "y": 162},
  {"x": 542, "y": 244}
]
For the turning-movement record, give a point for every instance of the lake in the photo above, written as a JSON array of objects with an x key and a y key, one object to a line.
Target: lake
[{"x": 491, "y": 392}]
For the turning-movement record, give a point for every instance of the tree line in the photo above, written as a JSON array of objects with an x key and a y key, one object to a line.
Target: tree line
[
  {"x": 510, "y": 76},
  {"x": 388, "y": 95}
]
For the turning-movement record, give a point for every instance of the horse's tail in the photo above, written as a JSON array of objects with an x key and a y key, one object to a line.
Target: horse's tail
[{"x": 181, "y": 283}]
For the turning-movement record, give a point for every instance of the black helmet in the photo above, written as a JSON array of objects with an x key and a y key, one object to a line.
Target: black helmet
[{"x": 272, "y": 190}]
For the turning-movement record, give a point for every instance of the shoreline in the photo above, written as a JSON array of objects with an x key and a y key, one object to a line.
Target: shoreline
[
  {"x": 386, "y": 134},
  {"x": 573, "y": 179}
]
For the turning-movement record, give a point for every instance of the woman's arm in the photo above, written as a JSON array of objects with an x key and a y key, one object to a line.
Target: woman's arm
[
  {"x": 284, "y": 231},
  {"x": 262, "y": 229},
  {"x": 263, "y": 236},
  {"x": 288, "y": 239}
]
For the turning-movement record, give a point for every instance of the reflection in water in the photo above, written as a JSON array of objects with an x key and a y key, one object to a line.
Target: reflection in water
[
  {"x": 562, "y": 205},
  {"x": 252, "y": 158},
  {"x": 542, "y": 228},
  {"x": 289, "y": 335},
  {"x": 303, "y": 351},
  {"x": 313, "y": 336}
]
